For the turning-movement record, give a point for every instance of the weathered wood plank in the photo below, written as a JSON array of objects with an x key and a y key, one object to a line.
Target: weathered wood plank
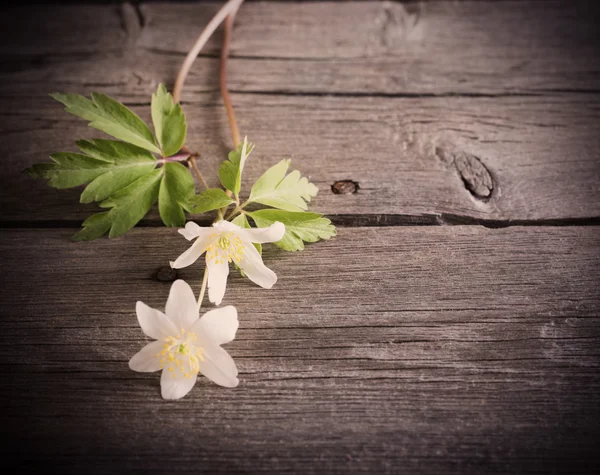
[
  {"x": 455, "y": 349},
  {"x": 362, "y": 47},
  {"x": 429, "y": 159},
  {"x": 425, "y": 159}
]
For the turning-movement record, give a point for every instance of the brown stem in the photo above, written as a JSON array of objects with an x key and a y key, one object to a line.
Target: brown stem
[
  {"x": 235, "y": 133},
  {"x": 230, "y": 7},
  {"x": 192, "y": 162}
]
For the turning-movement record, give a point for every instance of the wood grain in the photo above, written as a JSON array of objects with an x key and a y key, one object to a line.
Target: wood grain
[
  {"x": 417, "y": 349},
  {"x": 424, "y": 159},
  {"x": 392, "y": 48},
  {"x": 456, "y": 349}
]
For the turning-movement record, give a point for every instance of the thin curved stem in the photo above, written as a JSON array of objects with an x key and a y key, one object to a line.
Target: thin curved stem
[
  {"x": 203, "y": 288},
  {"x": 180, "y": 157},
  {"x": 230, "y": 7},
  {"x": 237, "y": 210},
  {"x": 194, "y": 165},
  {"x": 235, "y": 133}
]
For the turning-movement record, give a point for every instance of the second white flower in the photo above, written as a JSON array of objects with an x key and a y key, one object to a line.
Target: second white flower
[{"x": 226, "y": 242}]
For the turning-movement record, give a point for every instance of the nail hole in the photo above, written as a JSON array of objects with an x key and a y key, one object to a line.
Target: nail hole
[
  {"x": 166, "y": 274},
  {"x": 345, "y": 187}
]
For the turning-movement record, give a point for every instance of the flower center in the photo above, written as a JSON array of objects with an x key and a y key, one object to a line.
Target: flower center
[
  {"x": 224, "y": 247},
  {"x": 180, "y": 355},
  {"x": 224, "y": 242}
]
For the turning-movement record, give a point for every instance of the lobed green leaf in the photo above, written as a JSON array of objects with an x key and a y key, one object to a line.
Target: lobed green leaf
[
  {"x": 68, "y": 169},
  {"x": 122, "y": 175},
  {"x": 230, "y": 171},
  {"x": 111, "y": 117},
  {"x": 300, "y": 227},
  {"x": 176, "y": 191},
  {"x": 291, "y": 192},
  {"x": 128, "y": 163},
  {"x": 108, "y": 167},
  {"x": 127, "y": 207},
  {"x": 169, "y": 122},
  {"x": 208, "y": 200}
]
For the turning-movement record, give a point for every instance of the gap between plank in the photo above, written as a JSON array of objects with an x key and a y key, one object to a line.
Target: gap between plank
[{"x": 350, "y": 221}]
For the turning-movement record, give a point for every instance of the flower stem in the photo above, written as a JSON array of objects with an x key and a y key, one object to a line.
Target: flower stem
[
  {"x": 235, "y": 133},
  {"x": 194, "y": 165},
  {"x": 237, "y": 210},
  {"x": 230, "y": 7},
  {"x": 180, "y": 157},
  {"x": 203, "y": 288}
]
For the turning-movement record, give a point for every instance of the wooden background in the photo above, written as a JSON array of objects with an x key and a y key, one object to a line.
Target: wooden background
[{"x": 451, "y": 327}]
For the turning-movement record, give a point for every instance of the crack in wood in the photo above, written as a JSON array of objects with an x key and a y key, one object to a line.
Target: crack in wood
[
  {"x": 348, "y": 221},
  {"x": 132, "y": 21},
  {"x": 137, "y": 6},
  {"x": 391, "y": 95}
]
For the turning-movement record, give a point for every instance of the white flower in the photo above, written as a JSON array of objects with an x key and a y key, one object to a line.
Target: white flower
[
  {"x": 186, "y": 344},
  {"x": 226, "y": 242}
]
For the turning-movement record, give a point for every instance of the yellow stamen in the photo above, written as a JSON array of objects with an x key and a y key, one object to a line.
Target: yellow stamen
[{"x": 177, "y": 346}]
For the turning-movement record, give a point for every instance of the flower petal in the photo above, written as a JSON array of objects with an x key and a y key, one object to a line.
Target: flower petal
[
  {"x": 145, "y": 360},
  {"x": 271, "y": 233},
  {"x": 252, "y": 265},
  {"x": 218, "y": 365},
  {"x": 192, "y": 231},
  {"x": 154, "y": 323},
  {"x": 226, "y": 226},
  {"x": 195, "y": 251},
  {"x": 218, "y": 325},
  {"x": 174, "y": 386},
  {"x": 181, "y": 305},
  {"x": 217, "y": 280}
]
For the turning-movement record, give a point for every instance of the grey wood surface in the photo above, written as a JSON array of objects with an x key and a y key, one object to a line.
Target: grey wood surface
[
  {"x": 418, "y": 340},
  {"x": 459, "y": 349},
  {"x": 438, "y": 47},
  {"x": 433, "y": 160},
  {"x": 453, "y": 153}
]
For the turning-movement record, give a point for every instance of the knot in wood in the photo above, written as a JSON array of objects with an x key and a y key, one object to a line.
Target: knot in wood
[{"x": 474, "y": 174}]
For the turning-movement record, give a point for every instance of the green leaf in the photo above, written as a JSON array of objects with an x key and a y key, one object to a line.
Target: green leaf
[
  {"x": 129, "y": 163},
  {"x": 107, "y": 150},
  {"x": 300, "y": 227},
  {"x": 176, "y": 190},
  {"x": 39, "y": 170},
  {"x": 123, "y": 176},
  {"x": 208, "y": 200},
  {"x": 68, "y": 170},
  {"x": 111, "y": 117},
  {"x": 109, "y": 166},
  {"x": 127, "y": 207},
  {"x": 169, "y": 122},
  {"x": 289, "y": 193},
  {"x": 94, "y": 227},
  {"x": 230, "y": 171},
  {"x": 241, "y": 221}
]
